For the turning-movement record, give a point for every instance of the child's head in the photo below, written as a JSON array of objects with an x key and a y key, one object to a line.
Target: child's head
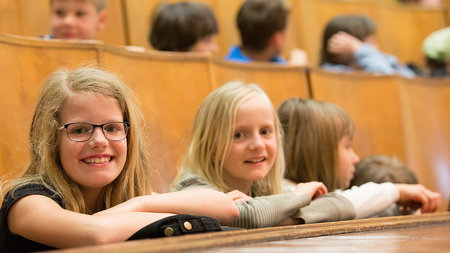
[
  {"x": 382, "y": 168},
  {"x": 361, "y": 27},
  {"x": 184, "y": 26},
  {"x": 436, "y": 48},
  {"x": 317, "y": 142},
  {"x": 71, "y": 158},
  {"x": 77, "y": 19},
  {"x": 237, "y": 139},
  {"x": 259, "y": 20}
]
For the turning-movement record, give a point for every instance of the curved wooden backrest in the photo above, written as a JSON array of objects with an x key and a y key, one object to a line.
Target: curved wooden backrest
[
  {"x": 279, "y": 82},
  {"x": 170, "y": 87},
  {"x": 425, "y": 105},
  {"x": 25, "y": 63},
  {"x": 372, "y": 102},
  {"x": 313, "y": 16},
  {"x": 402, "y": 29}
]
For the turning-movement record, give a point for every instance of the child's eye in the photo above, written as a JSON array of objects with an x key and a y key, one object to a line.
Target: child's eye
[
  {"x": 238, "y": 135},
  {"x": 266, "y": 131},
  {"x": 80, "y": 13},
  {"x": 60, "y": 13}
]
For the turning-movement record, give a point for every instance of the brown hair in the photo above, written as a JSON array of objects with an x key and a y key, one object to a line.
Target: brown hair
[
  {"x": 382, "y": 168},
  {"x": 178, "y": 26},
  {"x": 258, "y": 20},
  {"x": 355, "y": 25},
  {"x": 312, "y": 133}
]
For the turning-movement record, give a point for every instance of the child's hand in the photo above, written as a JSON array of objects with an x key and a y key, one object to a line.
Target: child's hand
[
  {"x": 298, "y": 57},
  {"x": 238, "y": 196},
  {"x": 343, "y": 43},
  {"x": 313, "y": 189},
  {"x": 413, "y": 196}
]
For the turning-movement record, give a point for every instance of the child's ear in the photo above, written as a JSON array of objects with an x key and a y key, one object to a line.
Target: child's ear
[
  {"x": 279, "y": 39},
  {"x": 102, "y": 19}
]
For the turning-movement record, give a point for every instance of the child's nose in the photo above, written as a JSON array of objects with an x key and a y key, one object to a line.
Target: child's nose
[
  {"x": 98, "y": 138},
  {"x": 69, "y": 19},
  {"x": 256, "y": 143}
]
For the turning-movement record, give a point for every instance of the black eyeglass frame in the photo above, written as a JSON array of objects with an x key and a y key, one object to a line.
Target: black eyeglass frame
[{"x": 127, "y": 128}]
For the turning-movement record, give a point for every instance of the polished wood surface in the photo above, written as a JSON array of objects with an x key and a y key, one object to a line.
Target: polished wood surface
[
  {"x": 403, "y": 230},
  {"x": 425, "y": 106},
  {"x": 279, "y": 82},
  {"x": 402, "y": 30}
]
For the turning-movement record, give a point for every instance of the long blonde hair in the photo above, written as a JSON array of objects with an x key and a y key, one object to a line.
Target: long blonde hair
[
  {"x": 312, "y": 133},
  {"x": 45, "y": 166},
  {"x": 212, "y": 138}
]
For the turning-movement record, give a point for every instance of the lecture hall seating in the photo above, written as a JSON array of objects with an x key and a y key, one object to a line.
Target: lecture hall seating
[
  {"x": 170, "y": 87},
  {"x": 25, "y": 63},
  {"x": 425, "y": 105},
  {"x": 372, "y": 102},
  {"x": 279, "y": 82},
  {"x": 313, "y": 16},
  {"x": 402, "y": 29}
]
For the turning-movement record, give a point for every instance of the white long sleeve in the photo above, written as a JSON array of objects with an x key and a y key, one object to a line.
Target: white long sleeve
[{"x": 370, "y": 198}]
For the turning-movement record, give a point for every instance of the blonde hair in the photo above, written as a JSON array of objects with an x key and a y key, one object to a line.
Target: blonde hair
[
  {"x": 212, "y": 138},
  {"x": 45, "y": 165},
  {"x": 100, "y": 5},
  {"x": 312, "y": 133}
]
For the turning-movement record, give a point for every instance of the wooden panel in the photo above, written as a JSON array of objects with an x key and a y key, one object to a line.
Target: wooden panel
[
  {"x": 10, "y": 17},
  {"x": 35, "y": 20},
  {"x": 115, "y": 30},
  {"x": 402, "y": 29},
  {"x": 25, "y": 63},
  {"x": 315, "y": 14},
  {"x": 372, "y": 102},
  {"x": 425, "y": 232},
  {"x": 279, "y": 82},
  {"x": 425, "y": 105},
  {"x": 170, "y": 87}
]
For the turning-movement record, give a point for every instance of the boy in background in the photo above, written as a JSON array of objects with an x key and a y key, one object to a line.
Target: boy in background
[
  {"x": 76, "y": 19},
  {"x": 262, "y": 27}
]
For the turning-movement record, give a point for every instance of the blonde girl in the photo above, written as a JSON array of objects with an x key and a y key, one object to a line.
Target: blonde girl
[
  {"x": 236, "y": 149},
  {"x": 318, "y": 138},
  {"x": 88, "y": 180}
]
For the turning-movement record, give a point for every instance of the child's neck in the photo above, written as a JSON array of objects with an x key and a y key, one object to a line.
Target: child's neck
[
  {"x": 244, "y": 186},
  {"x": 91, "y": 198},
  {"x": 266, "y": 55}
]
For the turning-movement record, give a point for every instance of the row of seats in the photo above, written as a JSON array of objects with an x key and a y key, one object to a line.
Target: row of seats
[
  {"x": 401, "y": 29},
  {"x": 392, "y": 115}
]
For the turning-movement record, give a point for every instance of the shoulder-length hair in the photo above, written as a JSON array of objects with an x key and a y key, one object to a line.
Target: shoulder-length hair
[
  {"x": 312, "y": 133},
  {"x": 212, "y": 138},
  {"x": 45, "y": 165}
]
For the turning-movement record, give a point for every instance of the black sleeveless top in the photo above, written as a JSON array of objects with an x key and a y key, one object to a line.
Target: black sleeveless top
[{"x": 15, "y": 243}]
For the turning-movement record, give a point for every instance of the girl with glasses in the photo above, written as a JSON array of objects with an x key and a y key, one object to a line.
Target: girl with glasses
[{"x": 88, "y": 181}]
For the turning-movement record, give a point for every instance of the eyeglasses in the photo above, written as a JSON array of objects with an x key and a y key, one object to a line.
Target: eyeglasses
[{"x": 80, "y": 131}]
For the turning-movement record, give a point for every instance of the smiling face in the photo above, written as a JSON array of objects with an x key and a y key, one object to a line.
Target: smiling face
[
  {"x": 95, "y": 163},
  {"x": 254, "y": 146},
  {"x": 76, "y": 19},
  {"x": 347, "y": 160}
]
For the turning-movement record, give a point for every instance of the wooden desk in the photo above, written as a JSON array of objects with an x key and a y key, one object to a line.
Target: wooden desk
[{"x": 419, "y": 233}]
